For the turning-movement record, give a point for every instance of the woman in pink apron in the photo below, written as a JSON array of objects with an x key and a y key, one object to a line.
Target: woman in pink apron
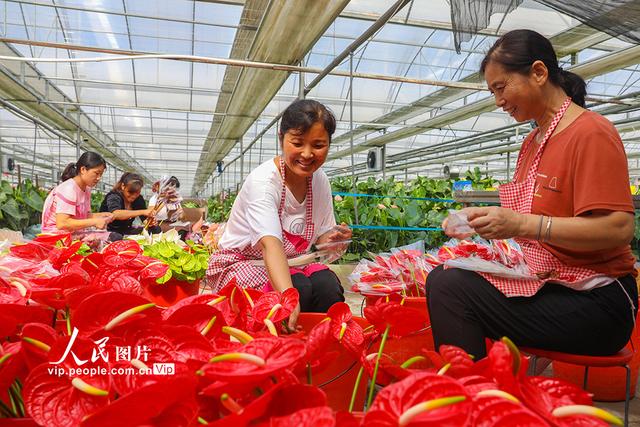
[
  {"x": 282, "y": 209},
  {"x": 569, "y": 208},
  {"x": 68, "y": 206}
]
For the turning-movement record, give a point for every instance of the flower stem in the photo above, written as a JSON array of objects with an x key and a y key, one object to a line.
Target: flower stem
[
  {"x": 4, "y": 409},
  {"x": 355, "y": 389},
  {"x": 309, "y": 378},
  {"x": 15, "y": 390},
  {"x": 68, "y": 320},
  {"x": 375, "y": 369}
]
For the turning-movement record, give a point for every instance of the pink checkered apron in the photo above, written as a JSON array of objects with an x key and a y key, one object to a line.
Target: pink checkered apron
[
  {"x": 519, "y": 197},
  {"x": 227, "y": 264}
]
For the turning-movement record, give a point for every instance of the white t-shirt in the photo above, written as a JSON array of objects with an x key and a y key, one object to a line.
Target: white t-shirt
[
  {"x": 162, "y": 214},
  {"x": 255, "y": 210}
]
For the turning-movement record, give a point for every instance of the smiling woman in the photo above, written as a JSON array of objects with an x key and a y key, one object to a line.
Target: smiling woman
[
  {"x": 68, "y": 206},
  {"x": 283, "y": 208},
  {"x": 569, "y": 208},
  {"x": 126, "y": 203}
]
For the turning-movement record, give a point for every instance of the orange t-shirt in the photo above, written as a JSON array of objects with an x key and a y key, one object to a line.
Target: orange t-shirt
[{"x": 583, "y": 168}]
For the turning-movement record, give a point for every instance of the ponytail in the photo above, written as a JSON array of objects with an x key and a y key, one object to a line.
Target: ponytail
[
  {"x": 517, "y": 50},
  {"x": 574, "y": 86},
  {"x": 89, "y": 160},
  {"x": 69, "y": 172}
]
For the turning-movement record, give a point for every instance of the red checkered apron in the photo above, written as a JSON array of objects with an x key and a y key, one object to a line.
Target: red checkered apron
[
  {"x": 519, "y": 197},
  {"x": 227, "y": 264}
]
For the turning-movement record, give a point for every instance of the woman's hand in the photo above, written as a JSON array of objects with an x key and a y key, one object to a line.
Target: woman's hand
[
  {"x": 338, "y": 233},
  {"x": 292, "y": 324},
  {"x": 495, "y": 222},
  {"x": 101, "y": 221}
]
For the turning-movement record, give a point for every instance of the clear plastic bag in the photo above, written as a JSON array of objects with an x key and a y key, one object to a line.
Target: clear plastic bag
[
  {"x": 501, "y": 258},
  {"x": 375, "y": 278},
  {"x": 458, "y": 224},
  {"x": 95, "y": 239}
]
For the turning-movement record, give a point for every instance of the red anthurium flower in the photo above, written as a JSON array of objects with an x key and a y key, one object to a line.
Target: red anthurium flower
[
  {"x": 563, "y": 392},
  {"x": 274, "y": 306},
  {"x": 580, "y": 421},
  {"x": 167, "y": 403},
  {"x": 237, "y": 304},
  {"x": 346, "y": 419},
  {"x": 343, "y": 328},
  {"x": 14, "y": 316},
  {"x": 142, "y": 261},
  {"x": 318, "y": 338},
  {"x": 126, "y": 283},
  {"x": 388, "y": 369},
  {"x": 76, "y": 268},
  {"x": 203, "y": 318},
  {"x": 477, "y": 383},
  {"x": 54, "y": 396},
  {"x": 37, "y": 340},
  {"x": 489, "y": 411},
  {"x": 59, "y": 256},
  {"x": 107, "y": 310},
  {"x": 425, "y": 398},
  {"x": 401, "y": 320},
  {"x": 52, "y": 291},
  {"x": 281, "y": 399},
  {"x": 12, "y": 366},
  {"x": 51, "y": 239},
  {"x": 33, "y": 251},
  {"x": 121, "y": 252},
  {"x": 461, "y": 363},
  {"x": 256, "y": 360},
  {"x": 212, "y": 300},
  {"x": 505, "y": 368},
  {"x": 310, "y": 417},
  {"x": 12, "y": 294},
  {"x": 543, "y": 396},
  {"x": 92, "y": 262},
  {"x": 190, "y": 345},
  {"x": 445, "y": 253}
]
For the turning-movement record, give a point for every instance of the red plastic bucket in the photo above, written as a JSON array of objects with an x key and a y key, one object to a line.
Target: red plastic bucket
[
  {"x": 169, "y": 293},
  {"x": 402, "y": 349},
  {"x": 340, "y": 376}
]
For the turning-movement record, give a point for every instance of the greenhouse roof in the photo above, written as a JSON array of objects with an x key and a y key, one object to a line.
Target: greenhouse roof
[{"x": 181, "y": 116}]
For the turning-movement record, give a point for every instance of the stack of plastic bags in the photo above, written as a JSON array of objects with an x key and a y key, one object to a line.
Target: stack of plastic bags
[{"x": 404, "y": 270}]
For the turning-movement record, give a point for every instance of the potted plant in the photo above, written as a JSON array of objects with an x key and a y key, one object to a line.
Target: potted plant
[{"x": 187, "y": 266}]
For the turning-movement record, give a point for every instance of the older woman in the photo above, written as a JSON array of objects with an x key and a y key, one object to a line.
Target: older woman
[
  {"x": 568, "y": 206},
  {"x": 283, "y": 208}
]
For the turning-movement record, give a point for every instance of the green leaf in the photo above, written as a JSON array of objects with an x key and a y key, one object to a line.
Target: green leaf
[
  {"x": 165, "y": 251},
  {"x": 167, "y": 276}
]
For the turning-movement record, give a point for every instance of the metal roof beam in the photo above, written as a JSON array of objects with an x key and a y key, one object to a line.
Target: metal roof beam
[
  {"x": 14, "y": 84},
  {"x": 587, "y": 70}
]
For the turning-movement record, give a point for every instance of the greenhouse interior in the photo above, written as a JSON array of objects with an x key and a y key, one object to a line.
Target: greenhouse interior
[{"x": 319, "y": 212}]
